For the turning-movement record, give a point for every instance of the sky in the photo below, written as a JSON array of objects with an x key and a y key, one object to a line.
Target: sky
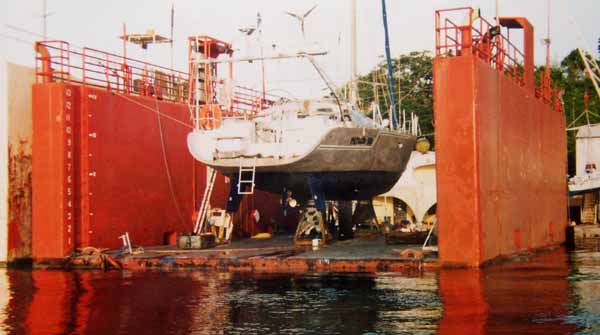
[{"x": 97, "y": 24}]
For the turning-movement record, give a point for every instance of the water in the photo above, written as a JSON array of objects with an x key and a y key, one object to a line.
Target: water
[{"x": 553, "y": 293}]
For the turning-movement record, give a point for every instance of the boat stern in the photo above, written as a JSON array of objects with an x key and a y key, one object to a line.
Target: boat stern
[{"x": 232, "y": 139}]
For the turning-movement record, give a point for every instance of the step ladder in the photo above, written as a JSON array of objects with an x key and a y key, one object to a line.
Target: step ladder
[
  {"x": 205, "y": 204},
  {"x": 244, "y": 179},
  {"x": 589, "y": 208},
  {"x": 430, "y": 247}
]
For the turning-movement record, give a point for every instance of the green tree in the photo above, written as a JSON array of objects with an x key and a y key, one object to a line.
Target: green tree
[
  {"x": 413, "y": 73},
  {"x": 571, "y": 78}
]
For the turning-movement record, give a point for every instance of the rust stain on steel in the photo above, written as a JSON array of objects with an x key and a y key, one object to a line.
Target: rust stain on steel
[{"x": 19, "y": 200}]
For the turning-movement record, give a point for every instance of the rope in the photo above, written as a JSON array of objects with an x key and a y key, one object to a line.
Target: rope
[
  {"x": 163, "y": 148},
  {"x": 166, "y": 163},
  {"x": 154, "y": 110}
]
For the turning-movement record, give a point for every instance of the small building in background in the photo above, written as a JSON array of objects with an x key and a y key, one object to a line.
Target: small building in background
[
  {"x": 587, "y": 149},
  {"x": 584, "y": 186}
]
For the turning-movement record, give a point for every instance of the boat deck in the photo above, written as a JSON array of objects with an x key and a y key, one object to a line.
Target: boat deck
[{"x": 279, "y": 254}]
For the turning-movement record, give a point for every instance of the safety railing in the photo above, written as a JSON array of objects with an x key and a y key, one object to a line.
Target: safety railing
[
  {"x": 477, "y": 35},
  {"x": 489, "y": 42},
  {"x": 57, "y": 61}
]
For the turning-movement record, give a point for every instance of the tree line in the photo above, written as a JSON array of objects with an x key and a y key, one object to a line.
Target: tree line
[{"x": 412, "y": 74}]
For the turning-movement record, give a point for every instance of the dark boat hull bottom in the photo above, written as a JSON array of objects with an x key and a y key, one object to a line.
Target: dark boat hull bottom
[{"x": 334, "y": 185}]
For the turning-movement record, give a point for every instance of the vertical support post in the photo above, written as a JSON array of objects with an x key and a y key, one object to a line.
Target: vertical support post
[{"x": 466, "y": 33}]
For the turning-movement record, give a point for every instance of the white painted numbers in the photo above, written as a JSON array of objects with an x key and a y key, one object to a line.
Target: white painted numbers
[{"x": 68, "y": 159}]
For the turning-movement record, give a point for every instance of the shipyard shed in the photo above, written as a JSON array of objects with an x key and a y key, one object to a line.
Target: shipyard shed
[{"x": 587, "y": 150}]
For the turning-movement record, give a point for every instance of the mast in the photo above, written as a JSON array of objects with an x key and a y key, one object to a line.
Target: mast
[
  {"x": 388, "y": 59},
  {"x": 547, "y": 42},
  {"x": 262, "y": 63},
  {"x": 172, "y": 26},
  {"x": 354, "y": 78},
  {"x": 45, "y": 15},
  {"x": 497, "y": 12}
]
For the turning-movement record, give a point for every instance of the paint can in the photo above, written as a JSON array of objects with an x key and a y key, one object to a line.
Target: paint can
[{"x": 315, "y": 243}]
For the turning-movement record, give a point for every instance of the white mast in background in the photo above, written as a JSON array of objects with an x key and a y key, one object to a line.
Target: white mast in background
[
  {"x": 45, "y": 15},
  {"x": 354, "y": 78}
]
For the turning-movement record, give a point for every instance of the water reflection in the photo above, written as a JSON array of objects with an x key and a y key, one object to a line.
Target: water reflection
[
  {"x": 584, "y": 281},
  {"x": 554, "y": 293},
  {"x": 529, "y": 297}
]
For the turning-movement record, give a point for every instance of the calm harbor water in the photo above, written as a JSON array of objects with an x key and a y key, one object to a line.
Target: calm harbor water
[{"x": 553, "y": 293}]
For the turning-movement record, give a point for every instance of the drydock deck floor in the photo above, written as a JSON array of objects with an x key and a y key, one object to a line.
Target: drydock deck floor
[{"x": 279, "y": 254}]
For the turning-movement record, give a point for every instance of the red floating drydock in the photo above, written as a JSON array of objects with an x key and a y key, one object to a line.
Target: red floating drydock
[
  {"x": 500, "y": 142},
  {"x": 110, "y": 154}
]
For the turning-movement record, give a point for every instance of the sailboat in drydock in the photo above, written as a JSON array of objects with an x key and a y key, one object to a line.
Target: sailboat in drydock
[
  {"x": 320, "y": 148},
  {"x": 294, "y": 144}
]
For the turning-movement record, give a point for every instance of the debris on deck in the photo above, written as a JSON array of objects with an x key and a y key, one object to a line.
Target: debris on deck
[{"x": 277, "y": 254}]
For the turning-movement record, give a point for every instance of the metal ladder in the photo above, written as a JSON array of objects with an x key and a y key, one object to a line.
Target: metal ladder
[
  {"x": 204, "y": 206},
  {"x": 244, "y": 170},
  {"x": 592, "y": 68},
  {"x": 589, "y": 208}
]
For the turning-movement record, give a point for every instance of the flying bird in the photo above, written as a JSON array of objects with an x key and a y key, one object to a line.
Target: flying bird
[{"x": 301, "y": 18}]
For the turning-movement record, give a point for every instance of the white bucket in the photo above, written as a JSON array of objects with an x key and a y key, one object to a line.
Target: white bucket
[{"x": 315, "y": 244}]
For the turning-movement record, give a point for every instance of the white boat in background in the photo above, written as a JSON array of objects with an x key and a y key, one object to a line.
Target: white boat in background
[
  {"x": 585, "y": 183},
  {"x": 416, "y": 188},
  {"x": 587, "y": 152}
]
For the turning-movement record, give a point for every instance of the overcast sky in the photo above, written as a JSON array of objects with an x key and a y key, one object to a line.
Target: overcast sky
[{"x": 97, "y": 24}]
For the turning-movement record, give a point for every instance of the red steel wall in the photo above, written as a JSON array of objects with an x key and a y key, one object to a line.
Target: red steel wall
[
  {"x": 122, "y": 155},
  {"x": 53, "y": 206},
  {"x": 501, "y": 168}
]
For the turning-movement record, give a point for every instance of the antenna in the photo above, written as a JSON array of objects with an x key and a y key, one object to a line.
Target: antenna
[
  {"x": 172, "y": 25},
  {"x": 262, "y": 62},
  {"x": 548, "y": 22},
  {"x": 497, "y": 12},
  {"x": 547, "y": 41},
  {"x": 248, "y": 31},
  {"x": 45, "y": 15}
]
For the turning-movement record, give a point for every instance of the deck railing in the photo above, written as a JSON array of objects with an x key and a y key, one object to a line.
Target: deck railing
[
  {"x": 479, "y": 36},
  {"x": 462, "y": 30},
  {"x": 57, "y": 61}
]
